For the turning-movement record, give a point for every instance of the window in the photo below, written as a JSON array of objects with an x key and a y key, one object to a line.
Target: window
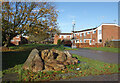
[
  {"x": 80, "y": 34},
  {"x": 94, "y": 32},
  {"x": 17, "y": 40},
  {"x": 90, "y": 41},
  {"x": 84, "y": 34},
  {"x": 99, "y": 31},
  {"x": 88, "y": 32},
  {"x": 84, "y": 41},
  {"x": 65, "y": 36},
  {"x": 17, "y": 36},
  {"x": 12, "y": 40},
  {"x": 81, "y": 41},
  {"x": 77, "y": 41}
]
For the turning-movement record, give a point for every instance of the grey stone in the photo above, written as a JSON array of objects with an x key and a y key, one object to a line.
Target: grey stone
[{"x": 33, "y": 62}]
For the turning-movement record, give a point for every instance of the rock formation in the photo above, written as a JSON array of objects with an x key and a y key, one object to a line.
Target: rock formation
[
  {"x": 33, "y": 62},
  {"x": 49, "y": 60}
]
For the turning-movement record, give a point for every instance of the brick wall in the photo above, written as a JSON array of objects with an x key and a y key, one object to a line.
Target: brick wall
[
  {"x": 109, "y": 32},
  {"x": 94, "y": 37},
  {"x": 17, "y": 39},
  {"x": 88, "y": 35},
  {"x": 56, "y": 37},
  {"x": 82, "y": 45}
]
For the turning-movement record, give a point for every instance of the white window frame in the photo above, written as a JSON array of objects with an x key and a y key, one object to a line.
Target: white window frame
[
  {"x": 17, "y": 40},
  {"x": 84, "y": 41},
  {"x": 90, "y": 42},
  {"x": 94, "y": 31},
  {"x": 77, "y": 40},
  {"x": 80, "y": 41},
  {"x": 100, "y": 31},
  {"x": 85, "y": 34},
  {"x": 12, "y": 40},
  {"x": 88, "y": 32},
  {"x": 17, "y": 36},
  {"x": 80, "y": 34}
]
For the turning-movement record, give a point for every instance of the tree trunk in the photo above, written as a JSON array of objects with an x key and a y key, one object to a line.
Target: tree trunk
[{"x": 7, "y": 43}]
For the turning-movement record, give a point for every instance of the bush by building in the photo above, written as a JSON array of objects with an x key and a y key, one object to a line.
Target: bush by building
[
  {"x": 113, "y": 43},
  {"x": 59, "y": 42}
]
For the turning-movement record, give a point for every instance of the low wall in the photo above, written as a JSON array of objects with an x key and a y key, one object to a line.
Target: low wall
[
  {"x": 83, "y": 45},
  {"x": 115, "y": 44}
]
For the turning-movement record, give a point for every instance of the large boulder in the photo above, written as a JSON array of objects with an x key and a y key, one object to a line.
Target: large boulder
[
  {"x": 70, "y": 59},
  {"x": 57, "y": 60},
  {"x": 54, "y": 66},
  {"x": 44, "y": 54},
  {"x": 69, "y": 56},
  {"x": 47, "y": 54},
  {"x": 49, "y": 59},
  {"x": 61, "y": 56},
  {"x": 53, "y": 59},
  {"x": 33, "y": 62}
]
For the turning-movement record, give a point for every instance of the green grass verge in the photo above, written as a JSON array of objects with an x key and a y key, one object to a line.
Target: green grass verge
[
  {"x": 106, "y": 49},
  {"x": 69, "y": 48},
  {"x": 61, "y": 47}
]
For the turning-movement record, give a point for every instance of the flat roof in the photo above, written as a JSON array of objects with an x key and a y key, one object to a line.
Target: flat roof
[
  {"x": 85, "y": 30},
  {"x": 65, "y": 33}
]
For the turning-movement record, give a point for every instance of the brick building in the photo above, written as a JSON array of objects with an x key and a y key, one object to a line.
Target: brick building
[
  {"x": 62, "y": 36},
  {"x": 16, "y": 40},
  {"x": 94, "y": 36}
]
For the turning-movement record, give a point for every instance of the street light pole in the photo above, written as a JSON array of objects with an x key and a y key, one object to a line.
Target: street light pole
[
  {"x": 73, "y": 39},
  {"x": 73, "y": 27}
]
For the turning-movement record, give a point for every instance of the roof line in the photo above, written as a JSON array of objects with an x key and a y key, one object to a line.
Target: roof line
[{"x": 85, "y": 30}]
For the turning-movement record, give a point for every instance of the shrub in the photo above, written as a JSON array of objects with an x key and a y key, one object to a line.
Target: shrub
[
  {"x": 59, "y": 42},
  {"x": 67, "y": 43},
  {"x": 60, "y": 47}
]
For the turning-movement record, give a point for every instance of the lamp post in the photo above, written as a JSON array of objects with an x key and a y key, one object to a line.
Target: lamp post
[
  {"x": 73, "y": 22},
  {"x": 73, "y": 38}
]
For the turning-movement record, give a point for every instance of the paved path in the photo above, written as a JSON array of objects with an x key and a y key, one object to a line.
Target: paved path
[
  {"x": 108, "y": 57},
  {"x": 113, "y": 77}
]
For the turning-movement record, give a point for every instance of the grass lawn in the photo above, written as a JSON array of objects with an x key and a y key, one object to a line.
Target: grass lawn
[
  {"x": 88, "y": 67},
  {"x": 106, "y": 49},
  {"x": 13, "y": 61},
  {"x": 69, "y": 48}
]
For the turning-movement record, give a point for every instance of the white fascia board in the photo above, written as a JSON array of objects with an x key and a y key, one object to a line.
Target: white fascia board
[
  {"x": 110, "y": 24},
  {"x": 87, "y": 39}
]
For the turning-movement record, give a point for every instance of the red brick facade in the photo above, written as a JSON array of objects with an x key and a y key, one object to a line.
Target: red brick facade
[
  {"x": 56, "y": 37},
  {"x": 110, "y": 32},
  {"x": 95, "y": 36},
  {"x": 62, "y": 36},
  {"x": 17, "y": 39}
]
